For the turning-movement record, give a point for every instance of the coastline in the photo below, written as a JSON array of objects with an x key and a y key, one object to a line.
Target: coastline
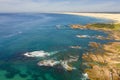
[
  {"x": 104, "y": 62},
  {"x": 111, "y": 16}
]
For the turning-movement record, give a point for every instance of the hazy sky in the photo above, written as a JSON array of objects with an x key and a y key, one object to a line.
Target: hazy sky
[{"x": 59, "y": 5}]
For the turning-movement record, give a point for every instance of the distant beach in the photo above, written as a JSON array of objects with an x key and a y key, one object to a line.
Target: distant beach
[{"x": 112, "y": 16}]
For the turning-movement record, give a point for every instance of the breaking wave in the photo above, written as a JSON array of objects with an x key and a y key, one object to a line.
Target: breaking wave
[
  {"x": 83, "y": 36},
  {"x": 39, "y": 53}
]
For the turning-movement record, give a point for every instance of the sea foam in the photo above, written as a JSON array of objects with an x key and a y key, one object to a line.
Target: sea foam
[
  {"x": 39, "y": 54},
  {"x": 83, "y": 36}
]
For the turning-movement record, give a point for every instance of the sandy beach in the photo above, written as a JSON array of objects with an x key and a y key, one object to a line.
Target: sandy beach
[{"x": 112, "y": 16}]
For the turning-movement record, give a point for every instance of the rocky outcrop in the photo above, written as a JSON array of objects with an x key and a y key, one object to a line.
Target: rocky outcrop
[
  {"x": 104, "y": 66},
  {"x": 103, "y": 61}
]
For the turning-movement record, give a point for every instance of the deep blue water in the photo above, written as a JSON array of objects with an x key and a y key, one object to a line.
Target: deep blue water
[{"x": 23, "y": 32}]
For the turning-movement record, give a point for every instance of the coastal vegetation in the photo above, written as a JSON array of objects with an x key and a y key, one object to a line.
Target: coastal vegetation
[
  {"x": 111, "y": 26},
  {"x": 98, "y": 26}
]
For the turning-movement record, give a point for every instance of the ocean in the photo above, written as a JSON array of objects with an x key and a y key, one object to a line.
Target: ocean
[{"x": 47, "y": 32}]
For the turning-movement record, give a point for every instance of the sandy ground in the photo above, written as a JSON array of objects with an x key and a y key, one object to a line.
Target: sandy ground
[{"x": 114, "y": 17}]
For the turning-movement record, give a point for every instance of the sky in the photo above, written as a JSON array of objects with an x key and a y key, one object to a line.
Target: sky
[{"x": 59, "y": 5}]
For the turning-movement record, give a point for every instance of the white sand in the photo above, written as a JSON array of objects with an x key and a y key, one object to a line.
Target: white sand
[{"x": 114, "y": 17}]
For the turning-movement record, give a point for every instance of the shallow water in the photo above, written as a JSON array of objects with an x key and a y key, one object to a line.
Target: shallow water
[{"x": 23, "y": 32}]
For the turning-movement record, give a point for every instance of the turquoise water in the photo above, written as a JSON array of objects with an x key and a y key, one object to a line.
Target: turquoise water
[{"x": 23, "y": 32}]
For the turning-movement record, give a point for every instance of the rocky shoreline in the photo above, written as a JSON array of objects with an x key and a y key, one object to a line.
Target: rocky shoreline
[
  {"x": 104, "y": 62},
  {"x": 112, "y": 29}
]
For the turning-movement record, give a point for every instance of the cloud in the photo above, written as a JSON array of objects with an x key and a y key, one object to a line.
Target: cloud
[{"x": 58, "y": 5}]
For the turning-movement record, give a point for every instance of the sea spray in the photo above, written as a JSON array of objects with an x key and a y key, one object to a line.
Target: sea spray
[
  {"x": 84, "y": 76},
  {"x": 39, "y": 53}
]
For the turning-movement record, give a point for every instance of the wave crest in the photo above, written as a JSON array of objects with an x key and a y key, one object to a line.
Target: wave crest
[{"x": 39, "y": 54}]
